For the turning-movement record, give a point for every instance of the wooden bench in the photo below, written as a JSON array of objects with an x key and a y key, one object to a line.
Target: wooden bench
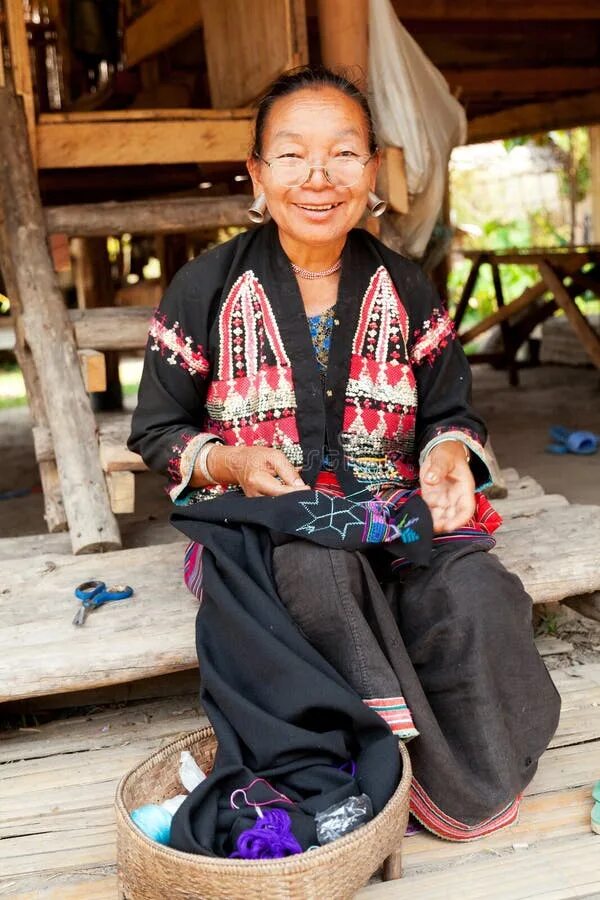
[{"x": 552, "y": 545}]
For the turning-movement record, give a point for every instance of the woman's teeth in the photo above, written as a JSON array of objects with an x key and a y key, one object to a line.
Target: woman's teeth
[{"x": 318, "y": 208}]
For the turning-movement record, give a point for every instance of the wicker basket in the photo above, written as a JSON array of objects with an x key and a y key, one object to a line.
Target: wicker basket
[{"x": 150, "y": 871}]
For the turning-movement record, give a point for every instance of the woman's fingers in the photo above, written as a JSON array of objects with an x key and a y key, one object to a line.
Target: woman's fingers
[
  {"x": 268, "y": 473},
  {"x": 433, "y": 471},
  {"x": 263, "y": 484},
  {"x": 286, "y": 471}
]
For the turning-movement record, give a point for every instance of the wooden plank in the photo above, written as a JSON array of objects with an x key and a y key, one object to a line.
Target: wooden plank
[
  {"x": 117, "y": 458},
  {"x": 136, "y": 531},
  {"x": 544, "y": 818},
  {"x": 149, "y": 634},
  {"x": 102, "y": 729},
  {"x": 59, "y": 783},
  {"x": 579, "y": 719},
  {"x": 165, "y": 23},
  {"x": 490, "y": 10},
  {"x": 557, "y": 255},
  {"x": 93, "y": 369},
  {"x": 556, "y": 555},
  {"x": 531, "y": 118},
  {"x": 24, "y": 251},
  {"x": 518, "y": 80},
  {"x": 173, "y": 114},
  {"x": 547, "y": 645},
  {"x": 514, "y": 508},
  {"x": 233, "y": 31},
  {"x": 551, "y": 874},
  {"x": 111, "y": 328},
  {"x": 589, "y": 339},
  {"x": 121, "y": 490},
  {"x": 113, "y": 431},
  {"x": 529, "y": 296},
  {"x": 525, "y": 487},
  {"x": 84, "y": 887},
  {"x": 142, "y": 142},
  {"x": 172, "y": 216}
]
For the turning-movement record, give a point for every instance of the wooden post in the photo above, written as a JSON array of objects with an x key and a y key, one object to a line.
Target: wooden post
[
  {"x": 54, "y": 508},
  {"x": 582, "y": 328},
  {"x": 392, "y": 866},
  {"x": 20, "y": 62},
  {"x": 24, "y": 250},
  {"x": 509, "y": 350},
  {"x": 468, "y": 289},
  {"x": 343, "y": 31}
]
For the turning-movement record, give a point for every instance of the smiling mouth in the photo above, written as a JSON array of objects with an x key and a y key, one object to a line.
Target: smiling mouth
[{"x": 311, "y": 207}]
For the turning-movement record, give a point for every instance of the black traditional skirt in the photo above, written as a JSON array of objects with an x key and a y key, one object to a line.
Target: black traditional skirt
[
  {"x": 446, "y": 655},
  {"x": 308, "y": 618}
]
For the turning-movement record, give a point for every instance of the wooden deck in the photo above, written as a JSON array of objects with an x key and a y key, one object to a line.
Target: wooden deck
[
  {"x": 57, "y": 781},
  {"x": 58, "y": 785}
]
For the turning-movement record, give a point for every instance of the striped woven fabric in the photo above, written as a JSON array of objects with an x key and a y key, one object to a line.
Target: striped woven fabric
[
  {"x": 431, "y": 816},
  {"x": 192, "y": 569},
  {"x": 396, "y": 713}
]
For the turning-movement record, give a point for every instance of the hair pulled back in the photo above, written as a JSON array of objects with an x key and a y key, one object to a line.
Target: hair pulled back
[{"x": 313, "y": 77}]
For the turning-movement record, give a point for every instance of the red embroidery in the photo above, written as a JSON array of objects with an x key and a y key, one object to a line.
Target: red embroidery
[
  {"x": 246, "y": 326},
  {"x": 174, "y": 464},
  {"x": 432, "y": 337},
  {"x": 383, "y": 321},
  {"x": 381, "y": 396},
  {"x": 252, "y": 401},
  {"x": 182, "y": 352}
]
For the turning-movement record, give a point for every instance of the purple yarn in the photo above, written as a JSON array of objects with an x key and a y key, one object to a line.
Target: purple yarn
[
  {"x": 348, "y": 766},
  {"x": 269, "y": 838}
]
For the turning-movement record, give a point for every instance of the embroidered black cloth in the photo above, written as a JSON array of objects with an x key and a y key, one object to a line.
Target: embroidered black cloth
[
  {"x": 230, "y": 357},
  {"x": 279, "y": 710}
]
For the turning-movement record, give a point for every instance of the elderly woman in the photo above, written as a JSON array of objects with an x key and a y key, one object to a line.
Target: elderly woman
[{"x": 304, "y": 373}]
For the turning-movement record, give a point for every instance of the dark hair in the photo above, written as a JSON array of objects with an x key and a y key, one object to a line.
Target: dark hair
[{"x": 309, "y": 77}]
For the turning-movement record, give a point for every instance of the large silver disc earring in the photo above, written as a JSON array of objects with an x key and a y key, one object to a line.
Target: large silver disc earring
[
  {"x": 376, "y": 205},
  {"x": 256, "y": 212}
]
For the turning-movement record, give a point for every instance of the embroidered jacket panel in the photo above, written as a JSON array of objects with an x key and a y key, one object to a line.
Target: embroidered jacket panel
[{"x": 230, "y": 356}]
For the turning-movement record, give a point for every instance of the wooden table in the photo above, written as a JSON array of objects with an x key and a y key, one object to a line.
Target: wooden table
[{"x": 561, "y": 279}]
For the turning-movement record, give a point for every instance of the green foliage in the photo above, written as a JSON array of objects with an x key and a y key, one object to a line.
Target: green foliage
[
  {"x": 571, "y": 152},
  {"x": 548, "y": 623}
]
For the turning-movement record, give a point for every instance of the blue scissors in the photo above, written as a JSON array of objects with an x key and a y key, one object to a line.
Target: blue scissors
[{"x": 94, "y": 594}]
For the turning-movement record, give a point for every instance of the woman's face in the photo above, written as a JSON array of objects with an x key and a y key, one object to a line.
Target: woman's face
[{"x": 315, "y": 125}]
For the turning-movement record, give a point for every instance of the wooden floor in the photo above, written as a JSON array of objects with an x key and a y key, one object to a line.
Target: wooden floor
[
  {"x": 57, "y": 781},
  {"x": 57, "y": 785}
]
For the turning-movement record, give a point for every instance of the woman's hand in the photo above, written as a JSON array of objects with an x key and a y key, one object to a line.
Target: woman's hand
[
  {"x": 260, "y": 471},
  {"x": 448, "y": 486}
]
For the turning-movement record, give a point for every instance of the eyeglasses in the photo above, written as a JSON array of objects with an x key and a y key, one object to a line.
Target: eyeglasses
[{"x": 340, "y": 171}]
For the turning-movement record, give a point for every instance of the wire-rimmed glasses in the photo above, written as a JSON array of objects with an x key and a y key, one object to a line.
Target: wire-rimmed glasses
[{"x": 340, "y": 171}]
